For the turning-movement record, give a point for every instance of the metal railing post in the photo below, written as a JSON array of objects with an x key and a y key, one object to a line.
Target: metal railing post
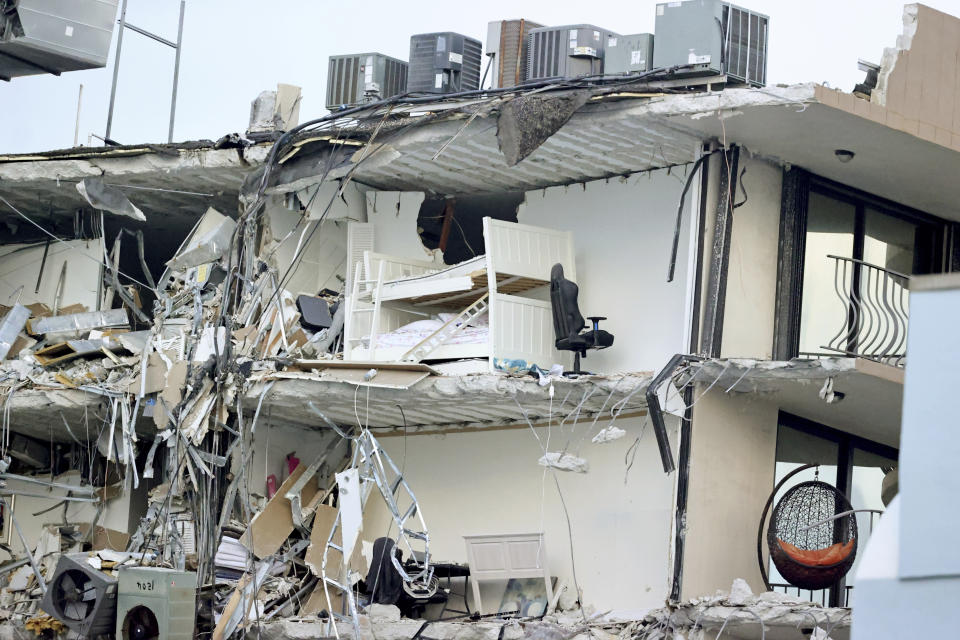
[
  {"x": 116, "y": 68},
  {"x": 176, "y": 71},
  {"x": 176, "y": 66}
]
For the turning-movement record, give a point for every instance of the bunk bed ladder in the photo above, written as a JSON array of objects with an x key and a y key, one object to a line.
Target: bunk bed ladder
[
  {"x": 374, "y": 309},
  {"x": 449, "y": 329}
]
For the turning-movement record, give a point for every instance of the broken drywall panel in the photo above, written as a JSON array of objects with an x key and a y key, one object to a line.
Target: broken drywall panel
[
  {"x": 351, "y": 509},
  {"x": 333, "y": 201},
  {"x": 287, "y": 106},
  {"x": 321, "y": 245},
  {"x": 68, "y": 276},
  {"x": 213, "y": 342},
  {"x": 394, "y": 216},
  {"x": 208, "y": 243},
  {"x": 273, "y": 525},
  {"x": 10, "y": 328},
  {"x": 274, "y": 111}
]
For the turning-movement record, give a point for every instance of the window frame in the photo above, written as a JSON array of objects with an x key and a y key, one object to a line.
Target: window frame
[{"x": 797, "y": 186}]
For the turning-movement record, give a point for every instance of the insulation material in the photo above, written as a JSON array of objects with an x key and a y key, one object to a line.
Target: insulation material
[
  {"x": 107, "y": 198},
  {"x": 608, "y": 434},
  {"x": 564, "y": 462}
]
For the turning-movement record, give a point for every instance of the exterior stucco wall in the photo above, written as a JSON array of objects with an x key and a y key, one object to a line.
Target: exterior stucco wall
[
  {"x": 748, "y": 322},
  {"x": 733, "y": 447}
]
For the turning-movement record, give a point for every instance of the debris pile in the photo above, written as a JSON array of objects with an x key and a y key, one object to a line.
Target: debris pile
[{"x": 740, "y": 610}]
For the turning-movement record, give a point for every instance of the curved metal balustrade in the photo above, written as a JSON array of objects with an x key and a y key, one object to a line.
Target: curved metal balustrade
[{"x": 876, "y": 300}]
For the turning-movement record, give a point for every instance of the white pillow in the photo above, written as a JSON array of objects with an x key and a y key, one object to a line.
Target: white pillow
[{"x": 430, "y": 324}]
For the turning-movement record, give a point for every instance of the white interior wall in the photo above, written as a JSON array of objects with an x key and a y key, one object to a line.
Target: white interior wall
[
  {"x": 271, "y": 444},
  {"x": 115, "y": 514},
  {"x": 748, "y": 321},
  {"x": 622, "y": 232},
  {"x": 20, "y": 266},
  {"x": 323, "y": 261},
  {"x": 732, "y": 461},
  {"x": 395, "y": 214},
  {"x": 490, "y": 482}
]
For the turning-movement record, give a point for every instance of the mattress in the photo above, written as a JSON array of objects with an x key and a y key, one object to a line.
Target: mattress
[{"x": 409, "y": 335}]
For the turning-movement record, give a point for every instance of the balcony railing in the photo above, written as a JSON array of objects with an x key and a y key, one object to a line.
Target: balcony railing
[{"x": 876, "y": 300}]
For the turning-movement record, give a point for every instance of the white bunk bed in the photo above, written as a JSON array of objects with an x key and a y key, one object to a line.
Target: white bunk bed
[{"x": 483, "y": 311}]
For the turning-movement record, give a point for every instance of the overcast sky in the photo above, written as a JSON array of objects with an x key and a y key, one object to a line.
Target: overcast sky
[{"x": 233, "y": 49}]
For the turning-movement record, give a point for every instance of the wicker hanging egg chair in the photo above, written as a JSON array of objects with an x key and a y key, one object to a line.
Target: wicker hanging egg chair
[{"x": 811, "y": 548}]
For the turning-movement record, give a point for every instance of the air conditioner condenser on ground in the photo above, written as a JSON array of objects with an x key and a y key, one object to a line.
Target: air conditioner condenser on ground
[{"x": 155, "y": 603}]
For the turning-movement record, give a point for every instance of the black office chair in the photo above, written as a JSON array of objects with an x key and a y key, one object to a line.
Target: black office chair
[{"x": 568, "y": 323}]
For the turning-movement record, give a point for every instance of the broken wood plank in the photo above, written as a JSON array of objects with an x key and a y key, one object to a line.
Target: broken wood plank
[{"x": 271, "y": 527}]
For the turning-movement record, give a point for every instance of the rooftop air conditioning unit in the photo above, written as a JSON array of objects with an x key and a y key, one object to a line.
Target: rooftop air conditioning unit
[
  {"x": 155, "y": 603},
  {"x": 52, "y": 36},
  {"x": 82, "y": 598},
  {"x": 628, "y": 54},
  {"x": 443, "y": 63},
  {"x": 507, "y": 50},
  {"x": 364, "y": 77},
  {"x": 566, "y": 52},
  {"x": 716, "y": 37}
]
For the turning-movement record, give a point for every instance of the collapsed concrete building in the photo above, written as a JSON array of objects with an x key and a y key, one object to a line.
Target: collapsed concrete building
[{"x": 273, "y": 361}]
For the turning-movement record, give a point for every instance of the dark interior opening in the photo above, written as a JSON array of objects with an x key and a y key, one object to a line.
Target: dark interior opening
[{"x": 463, "y": 218}]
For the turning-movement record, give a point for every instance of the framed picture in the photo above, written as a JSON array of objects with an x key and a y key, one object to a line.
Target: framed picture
[{"x": 526, "y": 596}]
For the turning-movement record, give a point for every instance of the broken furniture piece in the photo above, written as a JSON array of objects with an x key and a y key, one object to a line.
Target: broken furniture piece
[
  {"x": 81, "y": 597},
  {"x": 505, "y": 556},
  {"x": 401, "y": 308},
  {"x": 568, "y": 323}
]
